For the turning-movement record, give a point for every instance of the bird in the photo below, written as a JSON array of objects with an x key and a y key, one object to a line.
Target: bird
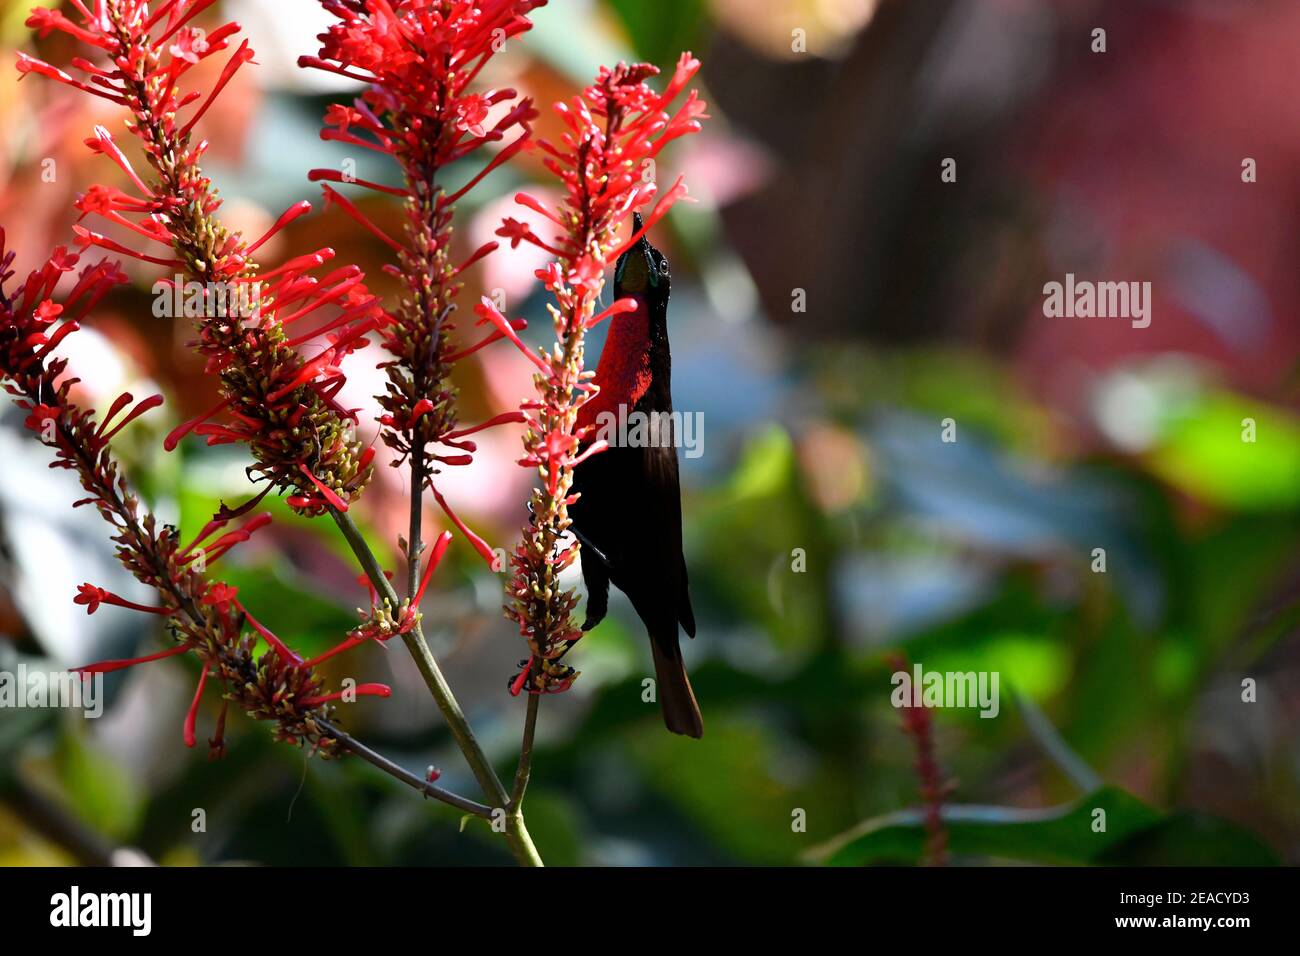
[{"x": 628, "y": 514}]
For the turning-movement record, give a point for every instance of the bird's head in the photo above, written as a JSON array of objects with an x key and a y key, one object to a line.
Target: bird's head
[{"x": 642, "y": 270}]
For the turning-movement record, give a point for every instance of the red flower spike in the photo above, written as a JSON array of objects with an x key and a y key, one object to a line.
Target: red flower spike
[
  {"x": 418, "y": 61},
  {"x": 205, "y": 616},
  {"x": 613, "y": 128},
  {"x": 149, "y": 54}
]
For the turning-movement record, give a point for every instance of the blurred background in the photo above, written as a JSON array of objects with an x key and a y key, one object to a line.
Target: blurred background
[{"x": 834, "y": 302}]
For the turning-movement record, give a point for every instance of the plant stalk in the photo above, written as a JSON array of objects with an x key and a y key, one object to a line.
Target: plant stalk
[
  {"x": 376, "y": 759},
  {"x": 521, "y": 844},
  {"x": 525, "y": 752}
]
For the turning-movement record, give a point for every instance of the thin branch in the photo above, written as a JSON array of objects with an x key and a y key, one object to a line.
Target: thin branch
[
  {"x": 45, "y": 816},
  {"x": 425, "y": 787},
  {"x": 414, "y": 546},
  {"x": 429, "y": 669},
  {"x": 525, "y": 754}
]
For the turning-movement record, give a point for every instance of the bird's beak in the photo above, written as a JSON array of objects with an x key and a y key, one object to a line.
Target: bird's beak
[{"x": 636, "y": 267}]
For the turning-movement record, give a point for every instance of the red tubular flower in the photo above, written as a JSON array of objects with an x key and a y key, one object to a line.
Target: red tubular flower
[
  {"x": 614, "y": 127},
  {"x": 40, "y": 414},
  {"x": 281, "y": 406},
  {"x": 361, "y": 690},
  {"x": 353, "y": 640},
  {"x": 105, "y": 667},
  {"x": 215, "y": 549},
  {"x": 277, "y": 645},
  {"x": 481, "y": 546},
  {"x": 192, "y": 715},
  {"x": 220, "y": 596},
  {"x": 92, "y": 597}
]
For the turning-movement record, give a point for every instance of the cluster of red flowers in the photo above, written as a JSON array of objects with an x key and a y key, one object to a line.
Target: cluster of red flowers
[
  {"x": 281, "y": 405},
  {"x": 418, "y": 59},
  {"x": 205, "y": 617},
  {"x": 616, "y": 127}
]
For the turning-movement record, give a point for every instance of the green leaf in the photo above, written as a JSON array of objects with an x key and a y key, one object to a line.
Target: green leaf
[
  {"x": 734, "y": 785},
  {"x": 660, "y": 31},
  {"x": 742, "y": 538},
  {"x": 103, "y": 794},
  {"x": 1202, "y": 451},
  {"x": 302, "y": 618},
  {"x": 1192, "y": 839},
  {"x": 1063, "y": 835}
]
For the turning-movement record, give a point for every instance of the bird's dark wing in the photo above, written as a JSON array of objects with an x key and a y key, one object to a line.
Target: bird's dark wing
[
  {"x": 630, "y": 510},
  {"x": 598, "y": 523},
  {"x": 667, "y": 601},
  {"x": 685, "y": 613},
  {"x": 664, "y": 533}
]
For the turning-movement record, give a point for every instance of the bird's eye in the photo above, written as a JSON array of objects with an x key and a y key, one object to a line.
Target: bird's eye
[{"x": 663, "y": 267}]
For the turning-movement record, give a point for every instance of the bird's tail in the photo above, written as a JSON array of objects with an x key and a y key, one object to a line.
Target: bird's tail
[{"x": 676, "y": 699}]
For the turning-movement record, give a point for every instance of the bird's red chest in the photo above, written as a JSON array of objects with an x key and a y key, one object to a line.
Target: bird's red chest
[{"x": 624, "y": 373}]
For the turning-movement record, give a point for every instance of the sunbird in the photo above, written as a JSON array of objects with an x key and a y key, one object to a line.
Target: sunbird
[{"x": 628, "y": 518}]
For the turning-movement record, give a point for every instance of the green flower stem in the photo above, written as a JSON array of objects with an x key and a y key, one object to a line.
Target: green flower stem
[{"x": 521, "y": 844}]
